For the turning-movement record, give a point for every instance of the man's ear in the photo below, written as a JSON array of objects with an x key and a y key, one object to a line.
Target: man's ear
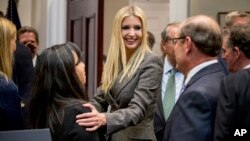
[
  {"x": 163, "y": 47},
  {"x": 237, "y": 52},
  {"x": 188, "y": 46}
]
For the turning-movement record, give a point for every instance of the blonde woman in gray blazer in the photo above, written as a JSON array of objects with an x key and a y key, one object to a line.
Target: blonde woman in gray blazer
[{"x": 130, "y": 85}]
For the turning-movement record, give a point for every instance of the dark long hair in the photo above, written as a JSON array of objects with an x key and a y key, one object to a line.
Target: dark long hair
[{"x": 56, "y": 85}]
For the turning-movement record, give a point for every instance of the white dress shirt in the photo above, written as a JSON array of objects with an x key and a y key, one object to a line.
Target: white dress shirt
[
  {"x": 179, "y": 78},
  {"x": 34, "y": 60},
  {"x": 247, "y": 66}
]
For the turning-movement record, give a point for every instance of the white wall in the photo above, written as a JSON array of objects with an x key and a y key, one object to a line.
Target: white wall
[
  {"x": 39, "y": 21},
  {"x": 24, "y": 10},
  {"x": 212, "y": 7},
  {"x": 110, "y": 9},
  {"x": 178, "y": 10},
  {"x": 49, "y": 18},
  {"x": 157, "y": 14},
  {"x": 43, "y": 14}
]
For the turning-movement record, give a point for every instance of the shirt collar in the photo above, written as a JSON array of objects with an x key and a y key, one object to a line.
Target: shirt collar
[
  {"x": 247, "y": 66},
  {"x": 196, "y": 69},
  {"x": 167, "y": 66}
]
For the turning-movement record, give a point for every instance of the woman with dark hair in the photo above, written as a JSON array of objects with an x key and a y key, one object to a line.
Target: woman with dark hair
[{"x": 58, "y": 93}]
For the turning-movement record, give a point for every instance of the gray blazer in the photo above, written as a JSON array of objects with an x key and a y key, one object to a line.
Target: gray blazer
[{"x": 132, "y": 102}]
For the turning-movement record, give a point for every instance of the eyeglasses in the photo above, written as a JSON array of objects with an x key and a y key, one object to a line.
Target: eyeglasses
[{"x": 174, "y": 40}]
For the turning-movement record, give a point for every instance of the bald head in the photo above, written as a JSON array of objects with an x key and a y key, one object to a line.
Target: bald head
[{"x": 204, "y": 32}]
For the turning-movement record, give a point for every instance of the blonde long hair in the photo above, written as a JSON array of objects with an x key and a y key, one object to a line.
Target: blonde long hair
[
  {"x": 7, "y": 33},
  {"x": 116, "y": 59}
]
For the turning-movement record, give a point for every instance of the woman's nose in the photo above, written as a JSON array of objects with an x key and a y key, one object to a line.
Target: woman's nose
[{"x": 131, "y": 32}]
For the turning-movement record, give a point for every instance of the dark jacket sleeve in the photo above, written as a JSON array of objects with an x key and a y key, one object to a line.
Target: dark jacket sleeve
[
  {"x": 70, "y": 130},
  {"x": 10, "y": 107},
  {"x": 23, "y": 70}
]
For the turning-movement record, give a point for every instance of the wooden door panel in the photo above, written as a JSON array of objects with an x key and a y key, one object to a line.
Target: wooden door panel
[{"x": 84, "y": 25}]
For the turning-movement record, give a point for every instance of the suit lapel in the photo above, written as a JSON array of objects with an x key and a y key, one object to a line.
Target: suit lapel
[
  {"x": 161, "y": 109},
  {"x": 207, "y": 70}
]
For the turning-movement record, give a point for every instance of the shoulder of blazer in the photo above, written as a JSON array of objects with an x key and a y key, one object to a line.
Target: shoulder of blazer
[
  {"x": 152, "y": 58},
  {"x": 241, "y": 76}
]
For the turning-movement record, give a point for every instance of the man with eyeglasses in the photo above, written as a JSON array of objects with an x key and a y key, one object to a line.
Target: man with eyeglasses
[
  {"x": 167, "y": 99},
  {"x": 197, "y": 44}
]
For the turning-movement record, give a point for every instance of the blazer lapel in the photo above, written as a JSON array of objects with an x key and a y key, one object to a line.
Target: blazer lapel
[{"x": 120, "y": 85}]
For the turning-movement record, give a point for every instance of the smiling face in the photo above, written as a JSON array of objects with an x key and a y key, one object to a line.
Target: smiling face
[{"x": 131, "y": 30}]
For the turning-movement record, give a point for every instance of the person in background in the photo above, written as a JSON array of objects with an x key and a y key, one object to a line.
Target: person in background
[
  {"x": 232, "y": 112},
  {"x": 10, "y": 103},
  {"x": 235, "y": 47},
  {"x": 236, "y": 17},
  {"x": 151, "y": 39},
  {"x": 29, "y": 37},
  {"x": 23, "y": 71},
  {"x": 131, "y": 82},
  {"x": 232, "y": 117},
  {"x": 192, "y": 118},
  {"x": 233, "y": 18},
  {"x": 58, "y": 94},
  {"x": 167, "y": 99}
]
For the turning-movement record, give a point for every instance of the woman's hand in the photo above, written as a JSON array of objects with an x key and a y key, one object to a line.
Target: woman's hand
[{"x": 92, "y": 120}]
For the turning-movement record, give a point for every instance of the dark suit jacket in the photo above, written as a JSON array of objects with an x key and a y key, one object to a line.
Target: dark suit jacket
[
  {"x": 133, "y": 102},
  {"x": 223, "y": 64},
  {"x": 69, "y": 130},
  {"x": 23, "y": 70},
  {"x": 10, "y": 108},
  {"x": 192, "y": 118},
  {"x": 159, "y": 120},
  {"x": 233, "y": 107}
]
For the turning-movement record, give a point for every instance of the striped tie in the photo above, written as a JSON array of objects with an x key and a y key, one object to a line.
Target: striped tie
[{"x": 169, "y": 98}]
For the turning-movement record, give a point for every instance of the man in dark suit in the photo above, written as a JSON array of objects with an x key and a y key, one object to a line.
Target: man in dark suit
[
  {"x": 167, "y": 48},
  {"x": 233, "y": 106},
  {"x": 23, "y": 71},
  {"x": 197, "y": 45},
  {"x": 233, "y": 115}
]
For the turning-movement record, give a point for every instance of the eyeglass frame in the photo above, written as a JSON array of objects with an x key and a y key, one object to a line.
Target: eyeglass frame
[{"x": 174, "y": 40}]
